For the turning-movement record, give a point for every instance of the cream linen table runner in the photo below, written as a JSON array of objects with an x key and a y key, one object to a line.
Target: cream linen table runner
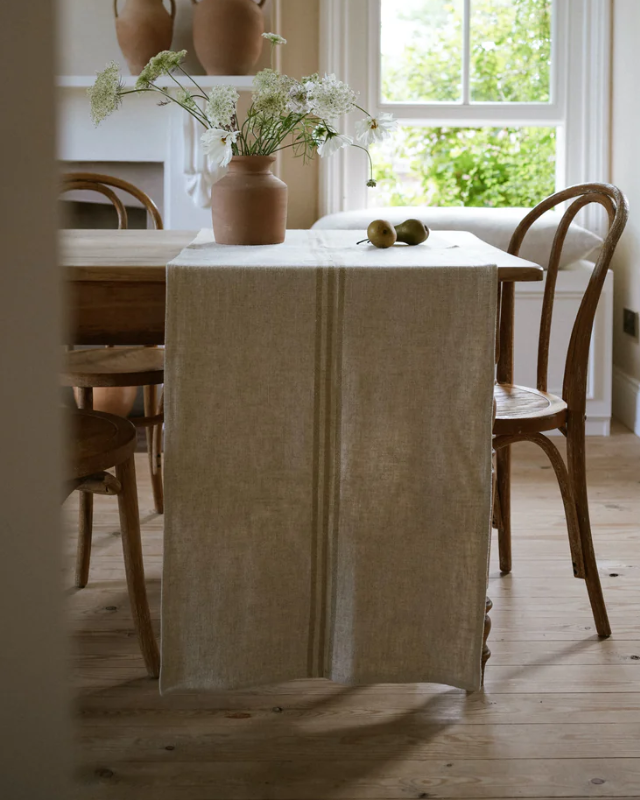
[{"x": 328, "y": 462}]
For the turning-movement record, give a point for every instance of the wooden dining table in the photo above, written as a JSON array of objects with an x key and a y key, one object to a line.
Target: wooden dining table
[
  {"x": 116, "y": 290},
  {"x": 116, "y": 286}
]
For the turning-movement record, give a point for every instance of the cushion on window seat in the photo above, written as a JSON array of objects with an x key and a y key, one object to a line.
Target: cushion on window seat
[{"x": 493, "y": 225}]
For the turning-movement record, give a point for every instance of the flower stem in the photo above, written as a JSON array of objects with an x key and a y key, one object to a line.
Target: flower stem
[
  {"x": 200, "y": 117},
  {"x": 368, "y": 156},
  {"x": 198, "y": 87},
  {"x": 177, "y": 83}
]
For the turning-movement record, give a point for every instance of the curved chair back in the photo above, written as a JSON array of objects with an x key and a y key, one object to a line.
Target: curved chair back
[
  {"x": 574, "y": 389},
  {"x": 105, "y": 184}
]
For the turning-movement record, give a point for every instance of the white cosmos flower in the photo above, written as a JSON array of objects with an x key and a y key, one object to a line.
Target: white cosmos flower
[
  {"x": 299, "y": 99},
  {"x": 333, "y": 143},
  {"x": 375, "y": 129},
  {"x": 217, "y": 144}
]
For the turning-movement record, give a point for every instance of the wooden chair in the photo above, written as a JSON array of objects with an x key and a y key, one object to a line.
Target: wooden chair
[
  {"x": 99, "y": 442},
  {"x": 131, "y": 366},
  {"x": 525, "y": 414}
]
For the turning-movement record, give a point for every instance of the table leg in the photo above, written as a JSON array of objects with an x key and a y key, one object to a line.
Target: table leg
[{"x": 505, "y": 375}]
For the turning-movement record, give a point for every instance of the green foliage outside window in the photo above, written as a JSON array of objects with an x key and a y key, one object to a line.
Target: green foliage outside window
[{"x": 510, "y": 62}]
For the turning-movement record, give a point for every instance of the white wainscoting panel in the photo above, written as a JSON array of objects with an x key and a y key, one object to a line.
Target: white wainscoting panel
[{"x": 626, "y": 400}]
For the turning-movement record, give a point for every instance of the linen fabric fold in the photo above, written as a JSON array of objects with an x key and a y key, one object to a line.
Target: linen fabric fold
[{"x": 328, "y": 419}]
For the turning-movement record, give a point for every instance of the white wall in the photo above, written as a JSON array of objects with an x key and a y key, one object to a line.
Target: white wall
[
  {"x": 33, "y": 747},
  {"x": 626, "y": 174}
]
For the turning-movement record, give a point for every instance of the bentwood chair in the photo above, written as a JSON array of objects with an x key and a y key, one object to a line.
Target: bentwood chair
[
  {"x": 525, "y": 414},
  {"x": 113, "y": 367},
  {"x": 99, "y": 442}
]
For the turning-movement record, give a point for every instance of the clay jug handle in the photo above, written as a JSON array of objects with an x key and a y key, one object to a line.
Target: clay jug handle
[{"x": 173, "y": 8}]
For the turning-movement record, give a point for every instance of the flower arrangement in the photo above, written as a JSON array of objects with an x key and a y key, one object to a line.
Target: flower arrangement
[{"x": 285, "y": 113}]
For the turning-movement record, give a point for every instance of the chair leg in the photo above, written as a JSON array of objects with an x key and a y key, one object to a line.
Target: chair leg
[
  {"x": 486, "y": 652},
  {"x": 85, "y": 512},
  {"x": 578, "y": 479},
  {"x": 566, "y": 492},
  {"x": 503, "y": 503},
  {"x": 134, "y": 567},
  {"x": 154, "y": 436}
]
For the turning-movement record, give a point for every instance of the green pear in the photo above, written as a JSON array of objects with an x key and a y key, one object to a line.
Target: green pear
[
  {"x": 381, "y": 233},
  {"x": 412, "y": 232}
]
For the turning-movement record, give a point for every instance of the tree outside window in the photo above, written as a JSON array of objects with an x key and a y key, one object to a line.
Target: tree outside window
[{"x": 509, "y": 62}]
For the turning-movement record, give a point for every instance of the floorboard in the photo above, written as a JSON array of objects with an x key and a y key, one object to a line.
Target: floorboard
[{"x": 559, "y": 716}]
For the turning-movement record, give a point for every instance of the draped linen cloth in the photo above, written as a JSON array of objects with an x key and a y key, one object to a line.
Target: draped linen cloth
[{"x": 328, "y": 462}]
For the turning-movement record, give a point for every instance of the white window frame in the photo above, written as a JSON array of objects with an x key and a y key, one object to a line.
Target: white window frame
[{"x": 579, "y": 102}]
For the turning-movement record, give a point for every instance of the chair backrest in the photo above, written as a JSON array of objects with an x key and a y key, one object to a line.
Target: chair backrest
[
  {"x": 104, "y": 184},
  {"x": 574, "y": 387}
]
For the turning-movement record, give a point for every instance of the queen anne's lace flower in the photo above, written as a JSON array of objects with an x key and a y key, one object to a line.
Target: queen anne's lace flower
[
  {"x": 218, "y": 145},
  {"x": 329, "y": 97},
  {"x": 274, "y": 38},
  {"x": 375, "y": 129},
  {"x": 271, "y": 93},
  {"x": 221, "y": 106},
  {"x": 265, "y": 80},
  {"x": 162, "y": 64},
  {"x": 333, "y": 143},
  {"x": 105, "y": 93}
]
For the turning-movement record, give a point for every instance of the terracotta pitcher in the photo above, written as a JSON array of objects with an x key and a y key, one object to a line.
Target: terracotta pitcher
[
  {"x": 249, "y": 205},
  {"x": 144, "y": 29},
  {"x": 117, "y": 400},
  {"x": 227, "y": 35}
]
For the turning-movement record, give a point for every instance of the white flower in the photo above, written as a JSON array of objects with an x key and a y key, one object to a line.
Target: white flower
[
  {"x": 221, "y": 106},
  {"x": 217, "y": 144},
  {"x": 105, "y": 93},
  {"x": 299, "y": 99},
  {"x": 333, "y": 143},
  {"x": 274, "y": 38},
  {"x": 375, "y": 129},
  {"x": 161, "y": 64},
  {"x": 271, "y": 93},
  {"x": 330, "y": 98}
]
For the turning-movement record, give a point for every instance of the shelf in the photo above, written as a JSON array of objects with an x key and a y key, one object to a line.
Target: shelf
[{"x": 240, "y": 82}]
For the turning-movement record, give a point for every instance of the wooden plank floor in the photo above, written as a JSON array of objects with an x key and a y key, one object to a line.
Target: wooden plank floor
[{"x": 560, "y": 715}]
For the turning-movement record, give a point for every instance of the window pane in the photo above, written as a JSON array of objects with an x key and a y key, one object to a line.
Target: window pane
[
  {"x": 421, "y": 46},
  {"x": 464, "y": 167},
  {"x": 510, "y": 51}
]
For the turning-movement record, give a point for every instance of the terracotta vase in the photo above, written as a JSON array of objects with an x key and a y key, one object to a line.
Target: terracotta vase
[
  {"x": 144, "y": 29},
  {"x": 249, "y": 205},
  {"x": 227, "y": 35},
  {"x": 117, "y": 400}
]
